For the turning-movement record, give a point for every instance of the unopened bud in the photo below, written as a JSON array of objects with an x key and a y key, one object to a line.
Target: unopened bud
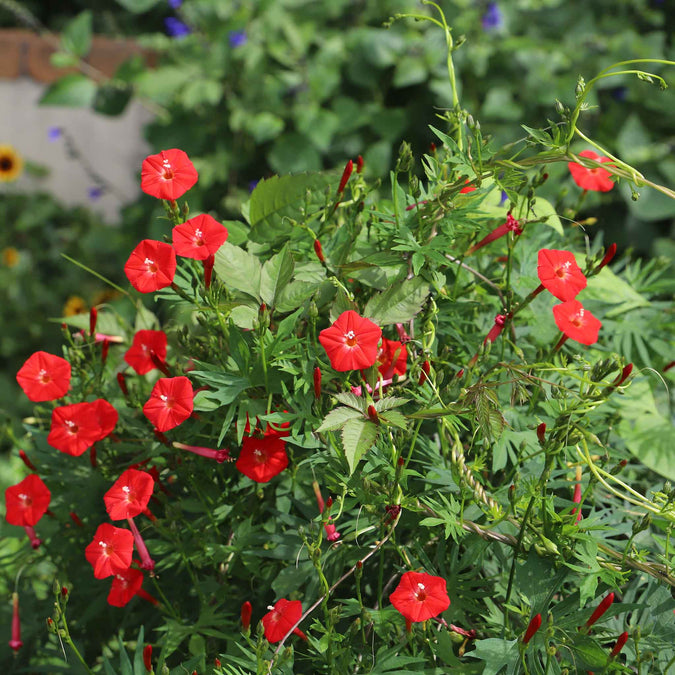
[{"x": 532, "y": 628}]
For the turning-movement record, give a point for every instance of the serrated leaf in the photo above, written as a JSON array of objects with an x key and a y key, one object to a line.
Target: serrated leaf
[
  {"x": 337, "y": 418},
  {"x": 591, "y": 655},
  {"x": 398, "y": 303},
  {"x": 496, "y": 654},
  {"x": 76, "y": 36},
  {"x": 390, "y": 402},
  {"x": 74, "y": 90},
  {"x": 295, "y": 294},
  {"x": 238, "y": 269},
  {"x": 353, "y": 401},
  {"x": 358, "y": 436},
  {"x": 395, "y": 418},
  {"x": 280, "y": 198},
  {"x": 275, "y": 275}
]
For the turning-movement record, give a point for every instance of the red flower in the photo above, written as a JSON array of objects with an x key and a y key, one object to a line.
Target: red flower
[
  {"x": 125, "y": 585},
  {"x": 351, "y": 342},
  {"x": 168, "y": 175},
  {"x": 511, "y": 225},
  {"x": 75, "y": 428},
  {"x": 576, "y": 322},
  {"x": 420, "y": 596},
  {"x": 129, "y": 494},
  {"x": 199, "y": 237},
  {"x": 595, "y": 179},
  {"x": 170, "y": 402},
  {"x": 281, "y": 618},
  {"x": 151, "y": 266},
  {"x": 144, "y": 345},
  {"x": 27, "y": 501},
  {"x": 44, "y": 377},
  {"x": 559, "y": 274},
  {"x": 391, "y": 358},
  {"x": 107, "y": 417},
  {"x": 262, "y": 458},
  {"x": 110, "y": 551}
]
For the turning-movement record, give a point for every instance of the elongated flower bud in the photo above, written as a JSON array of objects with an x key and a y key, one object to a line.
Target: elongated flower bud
[
  {"x": 619, "y": 645},
  {"x": 625, "y": 374},
  {"x": 76, "y": 519},
  {"x": 609, "y": 255},
  {"x": 372, "y": 414},
  {"x": 424, "y": 375},
  {"x": 147, "y": 657},
  {"x": 359, "y": 164},
  {"x": 317, "y": 382},
  {"x": 604, "y": 605},
  {"x": 219, "y": 455},
  {"x": 208, "y": 270},
  {"x": 104, "y": 350},
  {"x": 15, "y": 643},
  {"x": 319, "y": 498},
  {"x": 26, "y": 461},
  {"x": 93, "y": 318},
  {"x": 121, "y": 381},
  {"x": 541, "y": 433},
  {"x": 246, "y": 611},
  {"x": 349, "y": 167},
  {"x": 511, "y": 225},
  {"x": 319, "y": 251},
  {"x": 532, "y": 628}
]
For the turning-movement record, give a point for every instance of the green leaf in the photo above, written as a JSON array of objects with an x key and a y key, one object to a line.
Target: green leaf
[
  {"x": 648, "y": 435},
  {"x": 497, "y": 654},
  {"x": 358, "y": 436},
  {"x": 544, "y": 209},
  {"x": 238, "y": 269},
  {"x": 395, "y": 418},
  {"x": 294, "y": 295},
  {"x": 590, "y": 654},
  {"x": 337, "y": 418},
  {"x": 279, "y": 198},
  {"x": 125, "y": 662},
  {"x": 610, "y": 289},
  {"x": 275, "y": 275},
  {"x": 390, "y": 402},
  {"x": 353, "y": 401},
  {"x": 139, "y": 667},
  {"x": 75, "y": 90},
  {"x": 76, "y": 36},
  {"x": 399, "y": 303},
  {"x": 137, "y": 6},
  {"x": 244, "y": 316}
]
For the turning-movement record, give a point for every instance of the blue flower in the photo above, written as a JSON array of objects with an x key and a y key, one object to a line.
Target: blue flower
[
  {"x": 175, "y": 4},
  {"x": 176, "y": 28},
  {"x": 252, "y": 185},
  {"x": 493, "y": 19},
  {"x": 237, "y": 38},
  {"x": 95, "y": 192},
  {"x": 54, "y": 133}
]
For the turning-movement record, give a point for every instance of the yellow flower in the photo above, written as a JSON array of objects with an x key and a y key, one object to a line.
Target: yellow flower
[
  {"x": 74, "y": 305},
  {"x": 10, "y": 256},
  {"x": 11, "y": 164}
]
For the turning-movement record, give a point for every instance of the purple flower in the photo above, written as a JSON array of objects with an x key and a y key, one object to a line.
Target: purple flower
[
  {"x": 504, "y": 198},
  {"x": 237, "y": 38},
  {"x": 95, "y": 192},
  {"x": 175, "y": 4},
  {"x": 54, "y": 133},
  {"x": 619, "y": 93},
  {"x": 493, "y": 19},
  {"x": 252, "y": 185},
  {"x": 176, "y": 28}
]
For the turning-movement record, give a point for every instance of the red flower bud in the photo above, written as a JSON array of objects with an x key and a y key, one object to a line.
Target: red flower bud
[
  {"x": 424, "y": 375},
  {"x": 541, "y": 433},
  {"x": 600, "y": 609},
  {"x": 625, "y": 374},
  {"x": 76, "y": 519},
  {"x": 372, "y": 414},
  {"x": 359, "y": 164},
  {"x": 64, "y": 591},
  {"x": 345, "y": 176},
  {"x": 319, "y": 251},
  {"x": 432, "y": 148},
  {"x": 246, "y": 611},
  {"x": 208, "y": 270},
  {"x": 93, "y": 318},
  {"x": 329, "y": 502},
  {"x": 217, "y": 663},
  {"x": 15, "y": 643},
  {"x": 147, "y": 657},
  {"x": 619, "y": 645},
  {"x": 317, "y": 382},
  {"x": 532, "y": 628},
  {"x": 460, "y": 372},
  {"x": 121, "y": 381},
  {"x": 104, "y": 350},
  {"x": 609, "y": 255}
]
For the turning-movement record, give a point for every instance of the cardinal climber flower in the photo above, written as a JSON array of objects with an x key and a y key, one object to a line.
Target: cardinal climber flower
[
  {"x": 170, "y": 402},
  {"x": 25, "y": 503},
  {"x": 510, "y": 225},
  {"x": 129, "y": 495},
  {"x": 147, "y": 350},
  {"x": 44, "y": 377},
  {"x": 125, "y": 585},
  {"x": 420, "y": 596},
  {"x": 593, "y": 178},
  {"x": 199, "y": 237},
  {"x": 576, "y": 322},
  {"x": 168, "y": 174},
  {"x": 391, "y": 358},
  {"x": 281, "y": 618},
  {"x": 351, "y": 342},
  {"x": 110, "y": 551},
  {"x": 262, "y": 458},
  {"x": 75, "y": 428},
  {"x": 107, "y": 417},
  {"x": 559, "y": 274},
  {"x": 151, "y": 266}
]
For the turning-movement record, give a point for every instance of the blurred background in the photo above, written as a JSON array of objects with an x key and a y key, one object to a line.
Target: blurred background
[{"x": 248, "y": 89}]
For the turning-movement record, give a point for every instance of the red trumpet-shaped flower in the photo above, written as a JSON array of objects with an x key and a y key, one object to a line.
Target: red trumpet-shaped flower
[
  {"x": 129, "y": 495},
  {"x": 262, "y": 458},
  {"x": 75, "y": 428},
  {"x": 199, "y": 237},
  {"x": 593, "y": 178},
  {"x": 576, "y": 322},
  {"x": 391, "y": 358},
  {"x": 147, "y": 563},
  {"x": 168, "y": 174},
  {"x": 351, "y": 342},
  {"x": 147, "y": 343},
  {"x": 110, "y": 551},
  {"x": 219, "y": 455},
  {"x": 125, "y": 585},
  {"x": 15, "y": 643},
  {"x": 559, "y": 274},
  {"x": 170, "y": 402},
  {"x": 281, "y": 618},
  {"x": 25, "y": 503},
  {"x": 420, "y": 596},
  {"x": 511, "y": 225},
  {"x": 44, "y": 377},
  {"x": 151, "y": 266}
]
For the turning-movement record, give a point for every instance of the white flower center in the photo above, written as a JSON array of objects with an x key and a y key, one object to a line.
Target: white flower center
[{"x": 126, "y": 488}]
